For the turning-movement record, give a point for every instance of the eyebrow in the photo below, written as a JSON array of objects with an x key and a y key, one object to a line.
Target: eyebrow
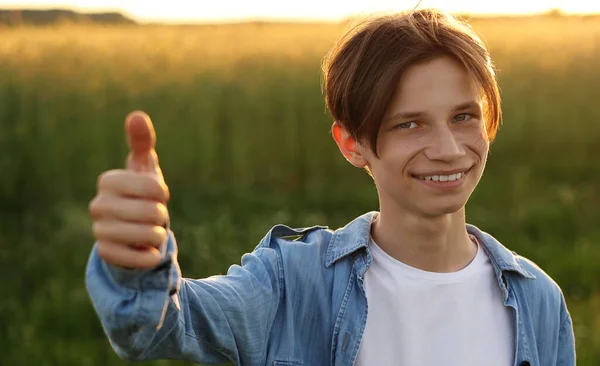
[{"x": 409, "y": 115}]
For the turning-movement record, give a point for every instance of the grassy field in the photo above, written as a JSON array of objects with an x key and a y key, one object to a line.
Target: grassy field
[{"x": 243, "y": 137}]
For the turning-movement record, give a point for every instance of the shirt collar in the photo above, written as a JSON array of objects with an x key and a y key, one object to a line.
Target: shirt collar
[{"x": 356, "y": 235}]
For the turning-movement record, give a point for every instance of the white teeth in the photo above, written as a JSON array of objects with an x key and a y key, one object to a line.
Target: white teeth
[{"x": 444, "y": 178}]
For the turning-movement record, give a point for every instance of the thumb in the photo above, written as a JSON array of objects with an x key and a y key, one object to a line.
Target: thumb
[{"x": 141, "y": 139}]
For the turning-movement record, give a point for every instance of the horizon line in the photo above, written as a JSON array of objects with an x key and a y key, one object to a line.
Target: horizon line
[{"x": 266, "y": 18}]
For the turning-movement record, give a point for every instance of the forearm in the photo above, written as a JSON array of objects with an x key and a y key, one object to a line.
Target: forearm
[
  {"x": 156, "y": 314},
  {"x": 133, "y": 304}
]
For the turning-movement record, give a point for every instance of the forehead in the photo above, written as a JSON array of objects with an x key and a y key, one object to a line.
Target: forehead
[{"x": 436, "y": 84}]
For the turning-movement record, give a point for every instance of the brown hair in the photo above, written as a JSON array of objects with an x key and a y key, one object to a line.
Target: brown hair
[{"x": 362, "y": 71}]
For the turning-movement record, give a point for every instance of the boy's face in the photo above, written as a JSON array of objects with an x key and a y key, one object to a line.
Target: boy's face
[{"x": 432, "y": 144}]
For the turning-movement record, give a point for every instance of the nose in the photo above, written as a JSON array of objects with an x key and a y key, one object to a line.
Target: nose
[{"x": 444, "y": 145}]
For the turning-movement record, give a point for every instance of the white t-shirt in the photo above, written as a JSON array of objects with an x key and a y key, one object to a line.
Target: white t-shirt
[{"x": 420, "y": 318}]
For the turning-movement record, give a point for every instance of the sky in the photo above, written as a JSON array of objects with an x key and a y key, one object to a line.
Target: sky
[{"x": 232, "y": 10}]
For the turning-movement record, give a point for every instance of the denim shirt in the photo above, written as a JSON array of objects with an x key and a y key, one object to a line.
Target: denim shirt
[{"x": 297, "y": 299}]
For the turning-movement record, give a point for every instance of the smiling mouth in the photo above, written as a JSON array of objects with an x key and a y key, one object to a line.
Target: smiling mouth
[{"x": 443, "y": 178}]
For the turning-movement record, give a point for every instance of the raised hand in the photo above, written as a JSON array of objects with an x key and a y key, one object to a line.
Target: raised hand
[{"x": 129, "y": 211}]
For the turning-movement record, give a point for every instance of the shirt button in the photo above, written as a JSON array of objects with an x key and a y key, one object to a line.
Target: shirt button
[{"x": 525, "y": 363}]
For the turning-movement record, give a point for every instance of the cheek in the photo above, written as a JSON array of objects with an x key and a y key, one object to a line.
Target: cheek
[
  {"x": 481, "y": 143},
  {"x": 399, "y": 153},
  {"x": 394, "y": 156},
  {"x": 476, "y": 138}
]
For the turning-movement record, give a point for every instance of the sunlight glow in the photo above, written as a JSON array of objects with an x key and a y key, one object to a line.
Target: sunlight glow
[{"x": 226, "y": 10}]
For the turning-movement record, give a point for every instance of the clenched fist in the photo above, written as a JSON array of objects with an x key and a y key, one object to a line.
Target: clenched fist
[{"x": 129, "y": 211}]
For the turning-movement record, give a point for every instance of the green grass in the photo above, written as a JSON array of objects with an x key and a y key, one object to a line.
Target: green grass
[{"x": 244, "y": 142}]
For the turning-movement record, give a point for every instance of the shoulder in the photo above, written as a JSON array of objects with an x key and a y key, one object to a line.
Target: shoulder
[
  {"x": 296, "y": 245},
  {"x": 542, "y": 298},
  {"x": 540, "y": 295},
  {"x": 543, "y": 286},
  {"x": 527, "y": 279},
  {"x": 337, "y": 243},
  {"x": 286, "y": 236}
]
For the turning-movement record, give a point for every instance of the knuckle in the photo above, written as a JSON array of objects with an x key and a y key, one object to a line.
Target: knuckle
[
  {"x": 102, "y": 179},
  {"x": 97, "y": 229},
  {"x": 167, "y": 192},
  {"x": 106, "y": 179},
  {"x": 159, "y": 236},
  {"x": 103, "y": 250},
  {"x": 164, "y": 214},
  {"x": 93, "y": 207},
  {"x": 159, "y": 213},
  {"x": 99, "y": 206},
  {"x": 159, "y": 190}
]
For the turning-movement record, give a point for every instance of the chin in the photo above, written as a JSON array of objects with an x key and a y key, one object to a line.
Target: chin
[{"x": 447, "y": 209}]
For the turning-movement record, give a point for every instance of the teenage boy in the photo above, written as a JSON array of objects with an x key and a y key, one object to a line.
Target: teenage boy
[{"x": 415, "y": 103}]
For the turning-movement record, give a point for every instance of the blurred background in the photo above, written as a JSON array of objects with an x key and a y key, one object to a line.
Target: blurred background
[{"x": 234, "y": 90}]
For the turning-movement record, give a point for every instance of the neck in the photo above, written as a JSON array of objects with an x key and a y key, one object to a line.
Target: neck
[{"x": 435, "y": 244}]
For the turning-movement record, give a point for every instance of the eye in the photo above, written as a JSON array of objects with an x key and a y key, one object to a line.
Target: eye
[
  {"x": 463, "y": 117},
  {"x": 407, "y": 125}
]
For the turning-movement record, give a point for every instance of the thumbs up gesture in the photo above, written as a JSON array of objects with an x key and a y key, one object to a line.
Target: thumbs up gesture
[{"x": 129, "y": 211}]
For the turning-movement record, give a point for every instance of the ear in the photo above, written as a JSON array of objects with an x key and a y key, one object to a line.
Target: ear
[{"x": 348, "y": 146}]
